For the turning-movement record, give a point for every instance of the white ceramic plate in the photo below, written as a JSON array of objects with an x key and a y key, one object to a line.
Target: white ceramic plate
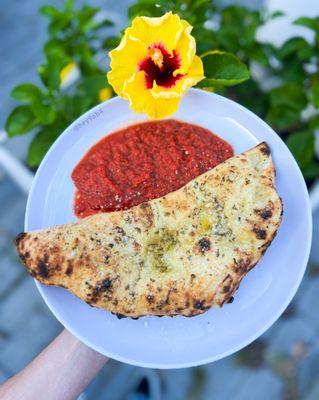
[{"x": 179, "y": 342}]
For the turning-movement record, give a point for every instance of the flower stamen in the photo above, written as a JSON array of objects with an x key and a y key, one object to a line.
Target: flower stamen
[
  {"x": 159, "y": 66},
  {"x": 156, "y": 56}
]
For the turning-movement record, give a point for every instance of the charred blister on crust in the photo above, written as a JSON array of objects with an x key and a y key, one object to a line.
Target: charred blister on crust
[
  {"x": 160, "y": 305},
  {"x": 265, "y": 149},
  {"x": 20, "y": 237},
  {"x": 282, "y": 206},
  {"x": 169, "y": 293},
  {"x": 200, "y": 305},
  {"x": 265, "y": 213},
  {"x": 150, "y": 298},
  {"x": 32, "y": 273},
  {"x": 229, "y": 298},
  {"x": 204, "y": 244},
  {"x": 261, "y": 234},
  {"x": 119, "y": 316},
  {"x": 119, "y": 230},
  {"x": 43, "y": 270},
  {"x": 103, "y": 288},
  {"x": 24, "y": 256},
  {"x": 227, "y": 285},
  {"x": 265, "y": 246},
  {"x": 226, "y": 289},
  {"x": 69, "y": 269},
  {"x": 106, "y": 284},
  {"x": 241, "y": 266}
]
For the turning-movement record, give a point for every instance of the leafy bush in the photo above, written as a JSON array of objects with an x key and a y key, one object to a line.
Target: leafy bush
[
  {"x": 80, "y": 38},
  {"x": 74, "y": 40}
]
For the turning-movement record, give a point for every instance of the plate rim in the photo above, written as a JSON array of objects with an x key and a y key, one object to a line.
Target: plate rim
[{"x": 232, "y": 349}]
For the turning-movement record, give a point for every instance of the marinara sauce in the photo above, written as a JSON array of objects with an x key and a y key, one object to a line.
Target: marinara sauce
[{"x": 143, "y": 162}]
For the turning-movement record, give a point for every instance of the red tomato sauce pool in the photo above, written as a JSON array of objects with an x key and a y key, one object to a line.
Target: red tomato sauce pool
[{"x": 143, "y": 162}]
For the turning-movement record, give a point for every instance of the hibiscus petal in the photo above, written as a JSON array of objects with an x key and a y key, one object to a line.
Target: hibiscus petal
[
  {"x": 124, "y": 62},
  {"x": 193, "y": 76},
  {"x": 142, "y": 101},
  {"x": 166, "y": 30},
  {"x": 186, "y": 49}
]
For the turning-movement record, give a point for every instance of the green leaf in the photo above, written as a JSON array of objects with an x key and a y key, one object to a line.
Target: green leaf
[
  {"x": 282, "y": 117},
  {"x": 257, "y": 101},
  {"x": 69, "y": 5},
  {"x": 314, "y": 122},
  {"x": 20, "y": 121},
  {"x": 290, "y": 95},
  {"x": 60, "y": 23},
  {"x": 40, "y": 145},
  {"x": 145, "y": 8},
  {"x": 105, "y": 23},
  {"x": 311, "y": 170},
  {"x": 314, "y": 92},
  {"x": 301, "y": 144},
  {"x": 205, "y": 40},
  {"x": 293, "y": 71},
  {"x": 223, "y": 69},
  {"x": 50, "y": 72},
  {"x": 76, "y": 105},
  {"x": 90, "y": 86},
  {"x": 87, "y": 62},
  {"x": 44, "y": 112},
  {"x": 296, "y": 46},
  {"x": 49, "y": 11},
  {"x": 85, "y": 17},
  {"x": 238, "y": 27},
  {"x": 286, "y": 103},
  {"x": 56, "y": 48},
  {"x": 311, "y": 23},
  {"x": 257, "y": 53},
  {"x": 111, "y": 42},
  {"x": 277, "y": 14},
  {"x": 26, "y": 92},
  {"x": 39, "y": 104}
]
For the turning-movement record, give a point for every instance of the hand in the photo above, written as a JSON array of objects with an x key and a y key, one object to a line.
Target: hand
[{"x": 60, "y": 372}]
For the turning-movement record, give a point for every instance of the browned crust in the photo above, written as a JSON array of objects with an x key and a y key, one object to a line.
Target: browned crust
[{"x": 83, "y": 257}]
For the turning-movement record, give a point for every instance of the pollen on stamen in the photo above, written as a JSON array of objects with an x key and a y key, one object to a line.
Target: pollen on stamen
[{"x": 156, "y": 56}]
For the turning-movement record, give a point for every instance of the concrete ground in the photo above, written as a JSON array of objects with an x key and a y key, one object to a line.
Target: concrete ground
[{"x": 282, "y": 364}]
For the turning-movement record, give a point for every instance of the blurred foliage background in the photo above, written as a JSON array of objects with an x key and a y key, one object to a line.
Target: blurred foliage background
[{"x": 283, "y": 88}]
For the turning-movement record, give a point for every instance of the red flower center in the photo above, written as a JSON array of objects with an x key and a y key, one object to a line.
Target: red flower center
[{"x": 159, "y": 66}]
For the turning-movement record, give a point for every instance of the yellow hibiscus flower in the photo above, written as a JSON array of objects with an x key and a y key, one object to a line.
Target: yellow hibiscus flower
[{"x": 155, "y": 64}]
